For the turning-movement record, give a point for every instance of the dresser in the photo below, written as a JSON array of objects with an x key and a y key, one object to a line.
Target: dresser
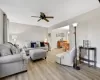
[{"x": 63, "y": 44}]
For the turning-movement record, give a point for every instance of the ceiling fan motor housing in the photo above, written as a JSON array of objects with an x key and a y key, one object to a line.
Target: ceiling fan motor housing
[{"x": 42, "y": 16}]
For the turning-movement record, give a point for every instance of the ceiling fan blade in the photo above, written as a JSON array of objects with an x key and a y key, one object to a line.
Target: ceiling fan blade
[
  {"x": 46, "y": 19},
  {"x": 99, "y": 0},
  {"x": 39, "y": 20},
  {"x": 35, "y": 16},
  {"x": 49, "y": 17}
]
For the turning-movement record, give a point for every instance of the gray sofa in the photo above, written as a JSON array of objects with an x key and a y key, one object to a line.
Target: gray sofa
[
  {"x": 11, "y": 60},
  {"x": 36, "y": 46}
]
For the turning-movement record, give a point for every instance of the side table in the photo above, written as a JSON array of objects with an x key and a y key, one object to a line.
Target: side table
[{"x": 88, "y": 49}]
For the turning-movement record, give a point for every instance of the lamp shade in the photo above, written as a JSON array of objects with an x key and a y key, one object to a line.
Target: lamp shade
[
  {"x": 75, "y": 24},
  {"x": 46, "y": 40},
  {"x": 68, "y": 32}
]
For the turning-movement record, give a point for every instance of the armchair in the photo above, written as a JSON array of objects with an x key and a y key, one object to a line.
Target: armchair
[{"x": 66, "y": 58}]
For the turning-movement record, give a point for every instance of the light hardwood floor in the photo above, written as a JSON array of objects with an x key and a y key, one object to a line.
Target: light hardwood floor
[{"x": 49, "y": 70}]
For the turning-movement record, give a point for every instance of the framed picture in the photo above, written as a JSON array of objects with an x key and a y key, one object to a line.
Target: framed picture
[
  {"x": 86, "y": 43},
  {"x": 60, "y": 35},
  {"x": 49, "y": 34}
]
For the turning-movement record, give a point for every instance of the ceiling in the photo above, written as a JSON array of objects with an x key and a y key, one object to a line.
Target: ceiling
[
  {"x": 63, "y": 28},
  {"x": 20, "y": 11}
]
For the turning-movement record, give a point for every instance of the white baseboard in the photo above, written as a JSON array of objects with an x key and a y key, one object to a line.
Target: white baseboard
[{"x": 98, "y": 65}]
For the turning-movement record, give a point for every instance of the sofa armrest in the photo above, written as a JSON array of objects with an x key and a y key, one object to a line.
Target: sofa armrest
[
  {"x": 23, "y": 52},
  {"x": 11, "y": 58}
]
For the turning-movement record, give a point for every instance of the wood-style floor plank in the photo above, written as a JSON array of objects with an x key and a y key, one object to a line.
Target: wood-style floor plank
[{"x": 49, "y": 70}]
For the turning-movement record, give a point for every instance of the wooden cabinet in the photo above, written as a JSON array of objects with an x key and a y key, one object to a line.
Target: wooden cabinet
[
  {"x": 63, "y": 44},
  {"x": 58, "y": 44}
]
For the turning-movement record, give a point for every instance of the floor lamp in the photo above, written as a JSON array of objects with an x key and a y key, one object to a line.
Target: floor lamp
[{"x": 75, "y": 59}]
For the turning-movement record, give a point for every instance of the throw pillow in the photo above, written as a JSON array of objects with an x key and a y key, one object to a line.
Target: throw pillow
[
  {"x": 38, "y": 43},
  {"x": 42, "y": 44},
  {"x": 5, "y": 52},
  {"x": 11, "y": 51},
  {"x": 33, "y": 45},
  {"x": 17, "y": 48}
]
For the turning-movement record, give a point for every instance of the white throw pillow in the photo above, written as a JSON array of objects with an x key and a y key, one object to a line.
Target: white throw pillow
[{"x": 38, "y": 43}]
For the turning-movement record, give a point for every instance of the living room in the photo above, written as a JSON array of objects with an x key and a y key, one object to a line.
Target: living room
[{"x": 36, "y": 42}]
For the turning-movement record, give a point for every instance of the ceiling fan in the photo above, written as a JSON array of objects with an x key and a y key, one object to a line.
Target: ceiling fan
[{"x": 43, "y": 17}]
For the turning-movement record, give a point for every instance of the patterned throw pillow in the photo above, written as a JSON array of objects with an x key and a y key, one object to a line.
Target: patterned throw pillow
[
  {"x": 15, "y": 50},
  {"x": 11, "y": 51}
]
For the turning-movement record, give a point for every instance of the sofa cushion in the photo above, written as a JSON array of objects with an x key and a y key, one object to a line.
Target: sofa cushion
[
  {"x": 13, "y": 48},
  {"x": 8, "y": 45},
  {"x": 44, "y": 48},
  {"x": 11, "y": 58},
  {"x": 5, "y": 52}
]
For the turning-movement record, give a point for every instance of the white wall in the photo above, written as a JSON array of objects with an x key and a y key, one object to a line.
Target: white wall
[
  {"x": 27, "y": 33},
  {"x": 1, "y": 26},
  {"x": 88, "y": 28}
]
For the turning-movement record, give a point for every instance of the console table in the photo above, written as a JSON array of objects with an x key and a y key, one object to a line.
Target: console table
[{"x": 88, "y": 49}]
